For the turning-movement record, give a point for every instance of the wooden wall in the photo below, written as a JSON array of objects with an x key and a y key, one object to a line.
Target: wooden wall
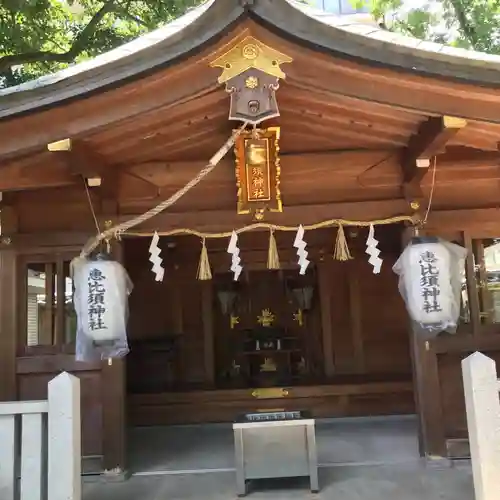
[
  {"x": 365, "y": 333},
  {"x": 362, "y": 323}
]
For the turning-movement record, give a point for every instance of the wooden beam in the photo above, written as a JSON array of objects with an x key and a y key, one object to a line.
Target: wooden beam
[
  {"x": 223, "y": 220},
  {"x": 428, "y": 142},
  {"x": 478, "y": 222},
  {"x": 52, "y": 169}
]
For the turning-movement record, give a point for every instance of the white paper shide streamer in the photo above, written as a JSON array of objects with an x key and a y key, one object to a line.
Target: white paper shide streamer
[
  {"x": 155, "y": 259},
  {"x": 373, "y": 251},
  {"x": 302, "y": 253},
  {"x": 234, "y": 250}
]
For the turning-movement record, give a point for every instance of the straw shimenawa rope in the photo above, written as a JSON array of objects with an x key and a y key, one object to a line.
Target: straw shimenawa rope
[
  {"x": 121, "y": 228},
  {"x": 276, "y": 227}
]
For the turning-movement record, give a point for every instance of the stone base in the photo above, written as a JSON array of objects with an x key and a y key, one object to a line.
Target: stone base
[{"x": 112, "y": 476}]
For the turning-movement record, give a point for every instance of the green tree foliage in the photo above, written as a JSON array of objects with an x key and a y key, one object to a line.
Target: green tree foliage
[
  {"x": 42, "y": 36},
  {"x": 469, "y": 24}
]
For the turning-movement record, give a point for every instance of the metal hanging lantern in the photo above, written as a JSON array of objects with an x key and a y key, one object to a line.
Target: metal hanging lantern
[
  {"x": 102, "y": 287},
  {"x": 429, "y": 272}
]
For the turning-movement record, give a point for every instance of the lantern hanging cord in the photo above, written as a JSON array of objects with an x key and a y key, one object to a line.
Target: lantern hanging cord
[
  {"x": 274, "y": 227},
  {"x": 121, "y": 228},
  {"x": 431, "y": 194},
  {"x": 91, "y": 206}
]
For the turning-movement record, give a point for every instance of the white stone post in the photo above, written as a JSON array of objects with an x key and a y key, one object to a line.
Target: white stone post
[
  {"x": 483, "y": 421},
  {"x": 64, "y": 438}
]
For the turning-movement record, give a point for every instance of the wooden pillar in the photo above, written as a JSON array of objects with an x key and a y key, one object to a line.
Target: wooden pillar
[
  {"x": 474, "y": 306},
  {"x": 355, "y": 310},
  {"x": 113, "y": 380},
  {"x": 8, "y": 323},
  {"x": 324, "y": 285},
  {"x": 114, "y": 416},
  {"x": 8, "y": 303},
  {"x": 208, "y": 331},
  {"x": 427, "y": 390}
]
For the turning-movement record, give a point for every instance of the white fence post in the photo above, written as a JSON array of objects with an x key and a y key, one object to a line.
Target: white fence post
[
  {"x": 64, "y": 435},
  {"x": 7, "y": 457},
  {"x": 32, "y": 456},
  {"x": 483, "y": 421}
]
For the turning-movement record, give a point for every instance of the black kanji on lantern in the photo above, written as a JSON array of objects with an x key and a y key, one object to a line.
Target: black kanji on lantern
[
  {"x": 96, "y": 303},
  {"x": 429, "y": 281}
]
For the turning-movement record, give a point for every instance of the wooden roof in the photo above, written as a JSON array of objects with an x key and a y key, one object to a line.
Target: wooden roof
[{"x": 156, "y": 101}]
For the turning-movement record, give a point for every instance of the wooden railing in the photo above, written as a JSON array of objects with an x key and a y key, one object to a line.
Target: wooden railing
[
  {"x": 482, "y": 387},
  {"x": 47, "y": 464}
]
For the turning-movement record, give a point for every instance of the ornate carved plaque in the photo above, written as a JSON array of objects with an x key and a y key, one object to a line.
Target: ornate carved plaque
[
  {"x": 258, "y": 172},
  {"x": 251, "y": 72}
]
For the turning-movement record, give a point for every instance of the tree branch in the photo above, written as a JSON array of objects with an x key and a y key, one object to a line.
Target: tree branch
[
  {"x": 78, "y": 45},
  {"x": 466, "y": 27}
]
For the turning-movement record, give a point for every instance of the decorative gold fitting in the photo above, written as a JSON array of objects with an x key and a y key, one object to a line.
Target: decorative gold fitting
[
  {"x": 414, "y": 205},
  {"x": 270, "y": 393},
  {"x": 108, "y": 224},
  {"x": 259, "y": 213},
  {"x": 250, "y": 53}
]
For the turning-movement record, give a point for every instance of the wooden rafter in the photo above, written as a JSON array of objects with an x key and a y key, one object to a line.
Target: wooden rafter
[
  {"x": 428, "y": 142},
  {"x": 79, "y": 157}
]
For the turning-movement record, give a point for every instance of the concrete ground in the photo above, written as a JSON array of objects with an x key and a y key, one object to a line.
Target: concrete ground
[
  {"x": 368, "y": 459},
  {"x": 391, "y": 482}
]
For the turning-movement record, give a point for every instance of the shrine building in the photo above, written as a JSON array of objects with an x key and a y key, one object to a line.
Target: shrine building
[{"x": 271, "y": 281}]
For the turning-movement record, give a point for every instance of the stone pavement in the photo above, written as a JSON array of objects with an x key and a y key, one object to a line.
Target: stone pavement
[{"x": 386, "y": 482}]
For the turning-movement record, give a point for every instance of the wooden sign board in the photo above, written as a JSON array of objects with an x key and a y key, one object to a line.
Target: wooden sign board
[{"x": 258, "y": 172}]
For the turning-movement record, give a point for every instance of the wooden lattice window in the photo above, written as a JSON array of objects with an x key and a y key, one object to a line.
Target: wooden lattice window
[
  {"x": 486, "y": 255},
  {"x": 48, "y": 317}
]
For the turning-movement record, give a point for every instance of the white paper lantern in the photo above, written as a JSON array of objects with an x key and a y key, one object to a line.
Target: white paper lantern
[
  {"x": 429, "y": 280},
  {"x": 101, "y": 300}
]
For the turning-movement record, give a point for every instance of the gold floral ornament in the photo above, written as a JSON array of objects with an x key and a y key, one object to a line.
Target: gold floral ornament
[
  {"x": 299, "y": 317},
  {"x": 251, "y": 71},
  {"x": 233, "y": 321},
  {"x": 251, "y": 82},
  {"x": 266, "y": 318},
  {"x": 258, "y": 172}
]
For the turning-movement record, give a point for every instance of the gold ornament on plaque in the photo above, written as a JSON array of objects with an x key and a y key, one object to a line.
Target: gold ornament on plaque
[
  {"x": 251, "y": 71},
  {"x": 251, "y": 82},
  {"x": 258, "y": 172},
  {"x": 266, "y": 318}
]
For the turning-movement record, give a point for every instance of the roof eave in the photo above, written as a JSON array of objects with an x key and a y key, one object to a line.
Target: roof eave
[
  {"x": 342, "y": 36},
  {"x": 205, "y": 23},
  {"x": 154, "y": 50}
]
